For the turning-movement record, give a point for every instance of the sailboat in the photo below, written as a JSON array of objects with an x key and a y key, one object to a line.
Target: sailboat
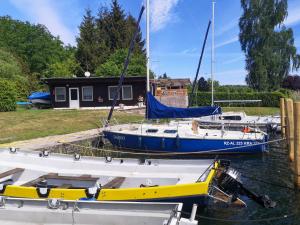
[{"x": 181, "y": 136}]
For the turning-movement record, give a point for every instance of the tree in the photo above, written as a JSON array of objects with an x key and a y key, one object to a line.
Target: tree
[
  {"x": 203, "y": 84},
  {"x": 86, "y": 52},
  {"x": 267, "y": 43},
  {"x": 164, "y": 76},
  {"x": 114, "y": 65},
  {"x": 216, "y": 84},
  {"x": 34, "y": 44}
]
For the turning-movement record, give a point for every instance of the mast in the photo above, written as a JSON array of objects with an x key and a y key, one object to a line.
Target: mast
[
  {"x": 199, "y": 64},
  {"x": 212, "y": 51},
  {"x": 126, "y": 62},
  {"x": 148, "y": 43}
]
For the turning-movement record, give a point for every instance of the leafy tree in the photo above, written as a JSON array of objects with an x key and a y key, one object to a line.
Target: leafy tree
[
  {"x": 268, "y": 44},
  {"x": 86, "y": 51},
  {"x": 7, "y": 96},
  {"x": 34, "y": 44},
  {"x": 216, "y": 84},
  {"x": 114, "y": 64},
  {"x": 203, "y": 84},
  {"x": 164, "y": 76}
]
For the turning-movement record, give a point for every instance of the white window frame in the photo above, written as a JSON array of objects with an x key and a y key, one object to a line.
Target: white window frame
[
  {"x": 112, "y": 97},
  {"x": 82, "y": 96},
  {"x": 130, "y": 90},
  {"x": 64, "y": 88}
]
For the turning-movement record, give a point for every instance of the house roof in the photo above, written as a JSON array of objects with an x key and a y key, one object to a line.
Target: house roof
[
  {"x": 171, "y": 82},
  {"x": 73, "y": 80}
]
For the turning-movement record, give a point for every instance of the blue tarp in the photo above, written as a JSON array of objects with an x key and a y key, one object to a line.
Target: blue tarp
[
  {"x": 39, "y": 95},
  {"x": 156, "y": 110}
]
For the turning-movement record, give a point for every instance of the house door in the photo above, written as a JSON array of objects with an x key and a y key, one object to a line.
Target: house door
[{"x": 74, "y": 98}]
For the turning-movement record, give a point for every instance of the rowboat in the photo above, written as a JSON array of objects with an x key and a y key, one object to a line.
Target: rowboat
[
  {"x": 29, "y": 174},
  {"x": 17, "y": 211}
]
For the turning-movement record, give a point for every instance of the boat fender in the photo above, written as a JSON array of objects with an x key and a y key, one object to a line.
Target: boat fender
[
  {"x": 177, "y": 141},
  {"x": 13, "y": 150},
  {"x": 2, "y": 201},
  {"x": 2, "y": 188},
  {"x": 54, "y": 203},
  {"x": 44, "y": 153},
  {"x": 163, "y": 143},
  {"x": 108, "y": 159},
  {"x": 140, "y": 142},
  {"x": 92, "y": 192},
  {"x": 77, "y": 156},
  {"x": 43, "y": 192},
  {"x": 246, "y": 129}
]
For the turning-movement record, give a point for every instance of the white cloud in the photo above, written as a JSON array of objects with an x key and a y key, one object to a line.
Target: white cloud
[
  {"x": 43, "y": 12},
  {"x": 293, "y": 16},
  {"x": 189, "y": 51},
  {"x": 162, "y": 13},
  {"x": 227, "y": 42},
  {"x": 227, "y": 27},
  {"x": 236, "y": 59}
]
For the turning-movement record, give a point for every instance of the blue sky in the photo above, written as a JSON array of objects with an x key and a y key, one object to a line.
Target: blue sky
[{"x": 177, "y": 31}]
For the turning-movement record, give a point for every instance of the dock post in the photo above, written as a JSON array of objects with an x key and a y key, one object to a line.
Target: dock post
[
  {"x": 297, "y": 143},
  {"x": 290, "y": 127},
  {"x": 282, "y": 118}
]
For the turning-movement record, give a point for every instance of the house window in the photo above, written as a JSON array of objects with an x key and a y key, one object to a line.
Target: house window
[
  {"x": 87, "y": 93},
  {"x": 60, "y": 94},
  {"x": 127, "y": 92},
  {"x": 111, "y": 92}
]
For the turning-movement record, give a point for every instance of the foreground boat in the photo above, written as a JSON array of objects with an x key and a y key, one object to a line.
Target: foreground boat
[
  {"x": 40, "y": 98},
  {"x": 27, "y": 174},
  {"x": 16, "y": 211},
  {"x": 238, "y": 120}
]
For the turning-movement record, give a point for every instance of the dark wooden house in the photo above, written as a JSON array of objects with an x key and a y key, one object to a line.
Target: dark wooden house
[{"x": 84, "y": 92}]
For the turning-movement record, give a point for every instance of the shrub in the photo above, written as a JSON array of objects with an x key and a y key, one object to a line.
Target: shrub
[
  {"x": 269, "y": 99},
  {"x": 7, "y": 96}
]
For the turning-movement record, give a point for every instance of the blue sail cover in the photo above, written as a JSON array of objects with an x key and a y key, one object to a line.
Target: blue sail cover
[{"x": 157, "y": 110}]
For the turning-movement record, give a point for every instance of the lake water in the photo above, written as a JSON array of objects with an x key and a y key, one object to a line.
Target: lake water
[{"x": 272, "y": 167}]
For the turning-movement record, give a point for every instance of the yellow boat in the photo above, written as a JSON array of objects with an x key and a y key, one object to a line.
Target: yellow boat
[{"x": 29, "y": 174}]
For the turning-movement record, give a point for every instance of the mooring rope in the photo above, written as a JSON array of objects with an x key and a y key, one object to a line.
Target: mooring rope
[{"x": 172, "y": 153}]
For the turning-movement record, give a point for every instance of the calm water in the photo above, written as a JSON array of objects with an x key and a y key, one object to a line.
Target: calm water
[{"x": 272, "y": 167}]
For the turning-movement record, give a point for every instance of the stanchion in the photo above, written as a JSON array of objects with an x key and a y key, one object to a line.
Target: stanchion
[{"x": 290, "y": 127}]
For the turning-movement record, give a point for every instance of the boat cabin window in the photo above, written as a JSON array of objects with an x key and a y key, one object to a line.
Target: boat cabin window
[
  {"x": 151, "y": 130},
  {"x": 232, "y": 118},
  {"x": 170, "y": 131}
]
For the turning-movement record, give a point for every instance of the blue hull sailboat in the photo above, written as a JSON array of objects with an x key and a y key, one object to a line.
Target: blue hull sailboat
[
  {"x": 177, "y": 137},
  {"x": 182, "y": 136}
]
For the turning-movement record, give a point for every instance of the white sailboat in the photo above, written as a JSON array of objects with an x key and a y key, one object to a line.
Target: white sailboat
[{"x": 184, "y": 137}]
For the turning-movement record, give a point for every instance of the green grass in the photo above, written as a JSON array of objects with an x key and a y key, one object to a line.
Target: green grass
[
  {"x": 27, "y": 124},
  {"x": 253, "y": 110}
]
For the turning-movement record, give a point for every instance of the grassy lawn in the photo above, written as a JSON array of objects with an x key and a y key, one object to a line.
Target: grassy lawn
[
  {"x": 254, "y": 110},
  {"x": 27, "y": 124}
]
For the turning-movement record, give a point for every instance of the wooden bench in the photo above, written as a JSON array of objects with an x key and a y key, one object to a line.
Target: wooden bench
[
  {"x": 11, "y": 172},
  {"x": 114, "y": 183}
]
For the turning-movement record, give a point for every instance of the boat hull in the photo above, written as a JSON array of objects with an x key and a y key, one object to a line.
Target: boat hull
[{"x": 183, "y": 145}]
